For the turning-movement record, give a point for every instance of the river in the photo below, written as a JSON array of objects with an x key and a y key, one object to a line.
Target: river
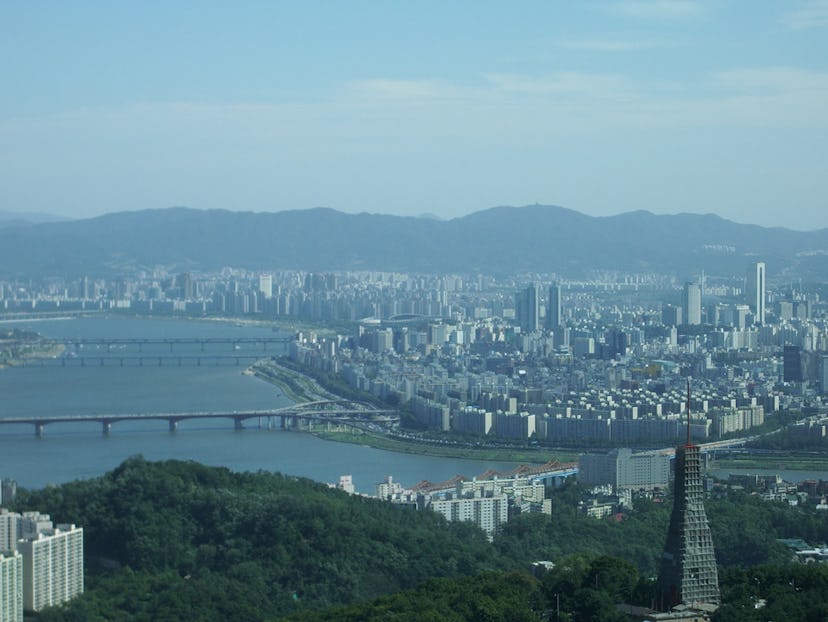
[{"x": 79, "y": 450}]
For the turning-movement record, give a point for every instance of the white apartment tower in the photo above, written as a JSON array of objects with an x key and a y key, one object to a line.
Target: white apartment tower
[
  {"x": 11, "y": 587},
  {"x": 692, "y": 303},
  {"x": 266, "y": 285},
  {"x": 755, "y": 291},
  {"x": 52, "y": 567}
]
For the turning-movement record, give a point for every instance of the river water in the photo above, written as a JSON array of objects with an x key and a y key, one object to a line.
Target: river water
[{"x": 79, "y": 450}]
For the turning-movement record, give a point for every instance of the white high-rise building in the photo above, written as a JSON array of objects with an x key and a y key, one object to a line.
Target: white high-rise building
[
  {"x": 755, "y": 291},
  {"x": 692, "y": 303},
  {"x": 11, "y": 587},
  {"x": 266, "y": 285},
  {"x": 52, "y": 567},
  {"x": 8, "y": 530},
  {"x": 488, "y": 512}
]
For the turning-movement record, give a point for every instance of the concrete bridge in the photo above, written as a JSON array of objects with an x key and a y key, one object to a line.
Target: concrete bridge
[
  {"x": 148, "y": 360},
  {"x": 233, "y": 342},
  {"x": 343, "y": 412}
]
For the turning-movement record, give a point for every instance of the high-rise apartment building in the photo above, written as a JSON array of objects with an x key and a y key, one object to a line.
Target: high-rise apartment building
[
  {"x": 52, "y": 567},
  {"x": 266, "y": 285},
  {"x": 527, "y": 309},
  {"x": 554, "y": 317},
  {"x": 755, "y": 291},
  {"x": 691, "y": 303},
  {"x": 621, "y": 468},
  {"x": 11, "y": 587},
  {"x": 487, "y": 511},
  {"x": 688, "y": 573}
]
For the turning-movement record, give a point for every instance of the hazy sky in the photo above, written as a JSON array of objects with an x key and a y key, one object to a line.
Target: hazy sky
[{"x": 410, "y": 107}]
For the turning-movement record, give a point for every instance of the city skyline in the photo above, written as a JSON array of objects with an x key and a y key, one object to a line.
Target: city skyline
[{"x": 604, "y": 108}]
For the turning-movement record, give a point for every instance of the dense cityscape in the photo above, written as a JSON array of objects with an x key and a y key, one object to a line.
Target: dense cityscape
[{"x": 600, "y": 366}]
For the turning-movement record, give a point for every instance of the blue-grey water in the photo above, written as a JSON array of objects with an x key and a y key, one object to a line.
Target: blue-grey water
[{"x": 79, "y": 450}]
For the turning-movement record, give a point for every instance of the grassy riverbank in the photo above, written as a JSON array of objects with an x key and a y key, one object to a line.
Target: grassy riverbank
[
  {"x": 793, "y": 462},
  {"x": 379, "y": 441},
  {"x": 19, "y": 347},
  {"x": 297, "y": 386}
]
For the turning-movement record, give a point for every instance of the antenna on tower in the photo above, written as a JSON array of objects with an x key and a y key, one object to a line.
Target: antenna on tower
[{"x": 688, "y": 411}]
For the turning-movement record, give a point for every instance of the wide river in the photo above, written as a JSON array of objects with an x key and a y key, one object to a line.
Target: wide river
[{"x": 79, "y": 450}]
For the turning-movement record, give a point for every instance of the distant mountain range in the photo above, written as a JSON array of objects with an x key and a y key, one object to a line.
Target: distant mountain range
[
  {"x": 11, "y": 219},
  {"x": 499, "y": 240}
]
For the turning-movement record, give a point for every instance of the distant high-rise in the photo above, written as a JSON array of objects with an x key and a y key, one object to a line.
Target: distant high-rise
[
  {"x": 554, "y": 317},
  {"x": 266, "y": 285},
  {"x": 688, "y": 571},
  {"x": 527, "y": 309},
  {"x": 692, "y": 303},
  {"x": 792, "y": 364},
  {"x": 755, "y": 291}
]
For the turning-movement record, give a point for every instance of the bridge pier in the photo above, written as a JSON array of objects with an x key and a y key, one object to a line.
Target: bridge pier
[
  {"x": 173, "y": 425},
  {"x": 238, "y": 424},
  {"x": 39, "y": 430},
  {"x": 107, "y": 427}
]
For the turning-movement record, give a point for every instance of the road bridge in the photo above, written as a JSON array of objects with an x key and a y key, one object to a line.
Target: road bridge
[
  {"x": 79, "y": 343},
  {"x": 148, "y": 360},
  {"x": 343, "y": 412}
]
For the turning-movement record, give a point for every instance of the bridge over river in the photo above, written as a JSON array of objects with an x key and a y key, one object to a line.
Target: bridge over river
[
  {"x": 234, "y": 343},
  {"x": 340, "y": 412},
  {"x": 161, "y": 352}
]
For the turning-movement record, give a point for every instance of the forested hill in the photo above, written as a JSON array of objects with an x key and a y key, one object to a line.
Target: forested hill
[
  {"x": 203, "y": 543},
  {"x": 494, "y": 241},
  {"x": 181, "y": 541}
]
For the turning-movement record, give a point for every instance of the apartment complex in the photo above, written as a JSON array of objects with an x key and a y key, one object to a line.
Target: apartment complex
[
  {"x": 42, "y": 564},
  {"x": 52, "y": 567},
  {"x": 621, "y": 468}
]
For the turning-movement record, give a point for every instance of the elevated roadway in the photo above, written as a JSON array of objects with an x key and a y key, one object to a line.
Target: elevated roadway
[{"x": 343, "y": 412}]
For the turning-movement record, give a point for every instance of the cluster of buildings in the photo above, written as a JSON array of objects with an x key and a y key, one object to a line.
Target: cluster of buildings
[
  {"x": 41, "y": 564},
  {"x": 487, "y": 500},
  {"x": 573, "y": 365}
]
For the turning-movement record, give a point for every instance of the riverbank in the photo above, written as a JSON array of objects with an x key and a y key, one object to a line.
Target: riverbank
[
  {"x": 296, "y": 386},
  {"x": 19, "y": 347},
  {"x": 447, "y": 450},
  {"x": 301, "y": 388},
  {"x": 792, "y": 462}
]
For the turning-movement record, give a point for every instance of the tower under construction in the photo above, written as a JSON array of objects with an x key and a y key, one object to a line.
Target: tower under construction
[{"x": 688, "y": 573}]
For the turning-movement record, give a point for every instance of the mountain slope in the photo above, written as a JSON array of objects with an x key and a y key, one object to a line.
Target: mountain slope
[{"x": 497, "y": 240}]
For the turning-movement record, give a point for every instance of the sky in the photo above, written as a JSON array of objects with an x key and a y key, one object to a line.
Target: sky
[{"x": 420, "y": 107}]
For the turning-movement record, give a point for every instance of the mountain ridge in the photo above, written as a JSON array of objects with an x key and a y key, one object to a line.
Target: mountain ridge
[{"x": 497, "y": 240}]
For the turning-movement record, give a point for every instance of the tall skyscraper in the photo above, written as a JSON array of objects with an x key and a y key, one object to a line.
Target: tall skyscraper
[
  {"x": 755, "y": 291},
  {"x": 692, "y": 303},
  {"x": 688, "y": 571},
  {"x": 554, "y": 317},
  {"x": 527, "y": 309}
]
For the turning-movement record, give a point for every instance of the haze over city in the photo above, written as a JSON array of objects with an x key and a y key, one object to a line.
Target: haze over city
[{"x": 601, "y": 107}]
